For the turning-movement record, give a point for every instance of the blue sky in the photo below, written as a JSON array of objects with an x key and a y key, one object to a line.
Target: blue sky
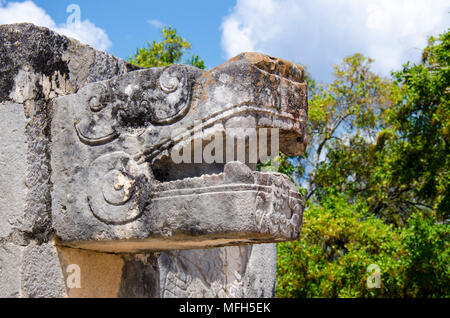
[
  {"x": 128, "y": 26},
  {"x": 315, "y": 33}
]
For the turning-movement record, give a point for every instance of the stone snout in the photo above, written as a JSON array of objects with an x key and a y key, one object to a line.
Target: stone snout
[{"x": 116, "y": 187}]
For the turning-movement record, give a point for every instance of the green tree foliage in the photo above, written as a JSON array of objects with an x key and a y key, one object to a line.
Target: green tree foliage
[
  {"x": 344, "y": 120},
  {"x": 166, "y": 52},
  {"x": 376, "y": 183},
  {"x": 421, "y": 128},
  {"x": 340, "y": 240},
  {"x": 426, "y": 271}
]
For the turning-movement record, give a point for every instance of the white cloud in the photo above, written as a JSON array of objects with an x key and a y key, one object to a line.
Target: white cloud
[
  {"x": 83, "y": 30},
  {"x": 156, "y": 23},
  {"x": 321, "y": 32}
]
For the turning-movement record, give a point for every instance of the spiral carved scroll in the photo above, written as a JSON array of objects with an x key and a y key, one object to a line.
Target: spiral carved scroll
[{"x": 116, "y": 188}]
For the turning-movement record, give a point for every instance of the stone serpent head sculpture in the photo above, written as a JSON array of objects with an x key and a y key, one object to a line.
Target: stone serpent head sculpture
[{"x": 116, "y": 183}]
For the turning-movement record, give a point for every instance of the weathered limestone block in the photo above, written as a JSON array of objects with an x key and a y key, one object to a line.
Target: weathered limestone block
[
  {"x": 87, "y": 161},
  {"x": 115, "y": 184},
  {"x": 10, "y": 280},
  {"x": 13, "y": 175},
  {"x": 36, "y": 65}
]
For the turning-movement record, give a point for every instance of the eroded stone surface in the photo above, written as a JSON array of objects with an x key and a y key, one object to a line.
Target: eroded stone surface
[
  {"x": 237, "y": 271},
  {"x": 108, "y": 139},
  {"x": 13, "y": 166},
  {"x": 10, "y": 276},
  {"x": 37, "y": 66}
]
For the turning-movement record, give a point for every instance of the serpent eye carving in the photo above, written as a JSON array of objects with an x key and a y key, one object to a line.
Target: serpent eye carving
[
  {"x": 175, "y": 91},
  {"x": 96, "y": 129},
  {"x": 114, "y": 192}
]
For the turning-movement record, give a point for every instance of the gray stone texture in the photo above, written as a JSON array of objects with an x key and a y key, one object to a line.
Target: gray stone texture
[
  {"x": 10, "y": 276},
  {"x": 237, "y": 271},
  {"x": 13, "y": 167},
  {"x": 108, "y": 139},
  {"x": 75, "y": 120},
  {"x": 36, "y": 66},
  {"x": 41, "y": 274}
]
